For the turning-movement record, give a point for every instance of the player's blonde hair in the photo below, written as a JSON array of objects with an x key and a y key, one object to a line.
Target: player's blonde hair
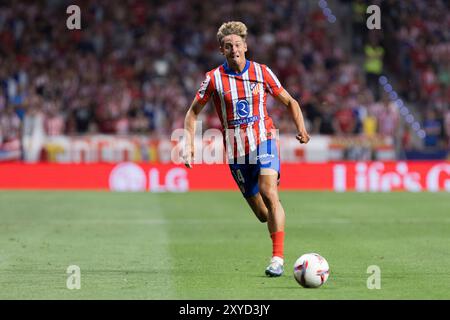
[{"x": 232, "y": 27}]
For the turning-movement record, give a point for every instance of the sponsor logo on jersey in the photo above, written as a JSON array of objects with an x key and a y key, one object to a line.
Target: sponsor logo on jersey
[{"x": 237, "y": 122}]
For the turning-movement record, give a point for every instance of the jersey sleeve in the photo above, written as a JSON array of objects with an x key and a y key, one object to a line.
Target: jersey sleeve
[
  {"x": 271, "y": 81},
  {"x": 205, "y": 91}
]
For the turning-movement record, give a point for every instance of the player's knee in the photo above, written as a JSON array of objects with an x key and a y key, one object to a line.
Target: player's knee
[
  {"x": 267, "y": 190},
  {"x": 271, "y": 198}
]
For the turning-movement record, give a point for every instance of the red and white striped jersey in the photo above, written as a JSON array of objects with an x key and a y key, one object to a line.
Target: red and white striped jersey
[{"x": 240, "y": 101}]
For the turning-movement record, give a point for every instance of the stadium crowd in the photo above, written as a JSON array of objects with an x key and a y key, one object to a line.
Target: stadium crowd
[
  {"x": 417, "y": 39},
  {"x": 135, "y": 65}
]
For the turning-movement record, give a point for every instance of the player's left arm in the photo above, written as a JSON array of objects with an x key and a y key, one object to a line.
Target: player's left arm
[{"x": 296, "y": 113}]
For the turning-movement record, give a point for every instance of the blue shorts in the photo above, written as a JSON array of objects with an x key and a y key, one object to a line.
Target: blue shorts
[{"x": 245, "y": 170}]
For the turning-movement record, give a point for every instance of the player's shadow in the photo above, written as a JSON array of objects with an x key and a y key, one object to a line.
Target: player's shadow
[{"x": 291, "y": 287}]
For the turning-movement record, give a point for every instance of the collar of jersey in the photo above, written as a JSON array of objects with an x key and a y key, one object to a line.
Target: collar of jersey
[{"x": 231, "y": 72}]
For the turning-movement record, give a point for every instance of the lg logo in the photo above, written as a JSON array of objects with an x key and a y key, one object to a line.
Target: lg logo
[
  {"x": 131, "y": 177},
  {"x": 127, "y": 177}
]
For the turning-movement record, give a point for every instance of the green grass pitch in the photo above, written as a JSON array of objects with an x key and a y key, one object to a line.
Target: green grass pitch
[{"x": 208, "y": 245}]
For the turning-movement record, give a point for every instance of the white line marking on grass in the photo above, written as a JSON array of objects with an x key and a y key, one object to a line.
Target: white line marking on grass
[{"x": 188, "y": 221}]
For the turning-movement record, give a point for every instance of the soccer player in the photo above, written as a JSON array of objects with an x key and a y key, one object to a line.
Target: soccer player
[{"x": 239, "y": 90}]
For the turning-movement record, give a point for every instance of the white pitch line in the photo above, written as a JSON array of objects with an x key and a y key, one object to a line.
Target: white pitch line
[{"x": 322, "y": 220}]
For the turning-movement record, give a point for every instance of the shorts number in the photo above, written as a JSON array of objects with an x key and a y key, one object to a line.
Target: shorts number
[{"x": 239, "y": 175}]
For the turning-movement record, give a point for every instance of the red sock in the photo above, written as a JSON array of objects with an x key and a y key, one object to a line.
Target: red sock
[{"x": 277, "y": 243}]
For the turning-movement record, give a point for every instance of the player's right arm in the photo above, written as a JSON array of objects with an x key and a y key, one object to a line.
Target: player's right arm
[
  {"x": 189, "y": 130},
  {"x": 200, "y": 100}
]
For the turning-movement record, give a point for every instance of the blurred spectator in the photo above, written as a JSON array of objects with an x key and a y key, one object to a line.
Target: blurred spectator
[
  {"x": 156, "y": 54},
  {"x": 33, "y": 134},
  {"x": 419, "y": 52},
  {"x": 312, "y": 116},
  {"x": 373, "y": 65},
  {"x": 446, "y": 123},
  {"x": 388, "y": 119},
  {"x": 54, "y": 122},
  {"x": 82, "y": 116},
  {"x": 9, "y": 129},
  {"x": 122, "y": 124},
  {"x": 344, "y": 120},
  {"x": 358, "y": 25},
  {"x": 326, "y": 120},
  {"x": 370, "y": 124},
  {"x": 406, "y": 140},
  {"x": 433, "y": 129}
]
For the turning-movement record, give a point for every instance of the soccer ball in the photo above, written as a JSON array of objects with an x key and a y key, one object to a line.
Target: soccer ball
[{"x": 311, "y": 270}]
